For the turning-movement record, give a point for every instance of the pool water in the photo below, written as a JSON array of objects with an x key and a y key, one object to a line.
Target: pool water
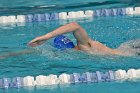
[
  {"x": 111, "y": 31},
  {"x": 40, "y": 6},
  {"x": 27, "y": 3}
]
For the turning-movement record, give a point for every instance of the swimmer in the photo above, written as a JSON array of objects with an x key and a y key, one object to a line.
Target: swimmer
[{"x": 84, "y": 42}]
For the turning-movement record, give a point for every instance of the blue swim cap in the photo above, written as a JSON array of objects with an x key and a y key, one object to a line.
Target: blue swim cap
[{"x": 62, "y": 42}]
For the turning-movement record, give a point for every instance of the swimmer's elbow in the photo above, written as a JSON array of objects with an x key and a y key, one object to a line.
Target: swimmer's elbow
[{"x": 75, "y": 25}]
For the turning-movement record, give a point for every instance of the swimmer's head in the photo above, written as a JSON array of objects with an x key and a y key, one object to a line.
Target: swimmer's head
[{"x": 62, "y": 42}]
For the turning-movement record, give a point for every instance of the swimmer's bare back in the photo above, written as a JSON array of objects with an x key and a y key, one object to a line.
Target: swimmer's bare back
[{"x": 84, "y": 43}]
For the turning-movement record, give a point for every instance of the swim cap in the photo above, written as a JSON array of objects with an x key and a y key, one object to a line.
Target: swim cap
[{"x": 62, "y": 42}]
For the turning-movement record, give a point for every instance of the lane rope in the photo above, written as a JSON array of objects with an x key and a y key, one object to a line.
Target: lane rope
[
  {"x": 70, "y": 15},
  {"x": 87, "y": 77}
]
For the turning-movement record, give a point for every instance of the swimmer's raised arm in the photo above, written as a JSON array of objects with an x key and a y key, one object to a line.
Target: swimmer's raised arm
[{"x": 78, "y": 32}]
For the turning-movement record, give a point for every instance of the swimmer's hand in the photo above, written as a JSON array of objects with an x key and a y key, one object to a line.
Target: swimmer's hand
[{"x": 35, "y": 42}]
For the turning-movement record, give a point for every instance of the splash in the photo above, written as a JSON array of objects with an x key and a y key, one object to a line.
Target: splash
[{"x": 131, "y": 47}]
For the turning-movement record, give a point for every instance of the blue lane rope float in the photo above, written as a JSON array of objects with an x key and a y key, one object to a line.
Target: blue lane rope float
[
  {"x": 70, "y": 15},
  {"x": 87, "y": 77}
]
